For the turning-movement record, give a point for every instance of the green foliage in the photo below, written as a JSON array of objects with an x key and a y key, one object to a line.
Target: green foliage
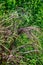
[{"x": 25, "y": 48}]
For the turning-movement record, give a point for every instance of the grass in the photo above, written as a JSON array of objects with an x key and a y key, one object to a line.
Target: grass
[{"x": 21, "y": 33}]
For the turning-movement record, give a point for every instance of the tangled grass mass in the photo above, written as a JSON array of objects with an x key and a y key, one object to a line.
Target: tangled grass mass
[{"x": 21, "y": 32}]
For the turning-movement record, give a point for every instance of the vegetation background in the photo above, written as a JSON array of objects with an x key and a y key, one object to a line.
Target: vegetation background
[{"x": 21, "y": 32}]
